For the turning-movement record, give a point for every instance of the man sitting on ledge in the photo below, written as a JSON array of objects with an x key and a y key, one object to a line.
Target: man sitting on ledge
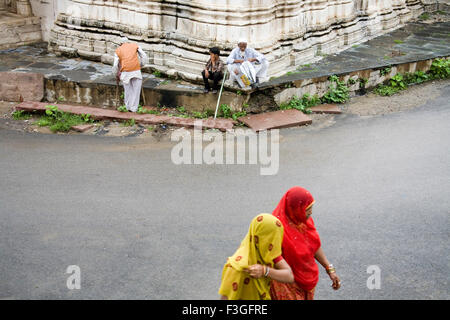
[
  {"x": 241, "y": 54},
  {"x": 214, "y": 69}
]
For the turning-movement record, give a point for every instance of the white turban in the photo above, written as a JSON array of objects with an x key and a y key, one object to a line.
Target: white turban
[{"x": 242, "y": 40}]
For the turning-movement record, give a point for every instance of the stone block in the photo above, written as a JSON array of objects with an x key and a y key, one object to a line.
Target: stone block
[
  {"x": 16, "y": 86},
  {"x": 276, "y": 120}
]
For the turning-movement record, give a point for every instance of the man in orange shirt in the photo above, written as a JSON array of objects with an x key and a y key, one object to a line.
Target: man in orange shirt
[{"x": 128, "y": 60}]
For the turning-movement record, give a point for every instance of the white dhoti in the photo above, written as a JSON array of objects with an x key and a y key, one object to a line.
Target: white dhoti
[
  {"x": 232, "y": 68},
  {"x": 132, "y": 94},
  {"x": 260, "y": 68}
]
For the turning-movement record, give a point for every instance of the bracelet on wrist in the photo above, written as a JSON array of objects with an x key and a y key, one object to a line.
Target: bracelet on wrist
[
  {"x": 330, "y": 269},
  {"x": 267, "y": 272}
]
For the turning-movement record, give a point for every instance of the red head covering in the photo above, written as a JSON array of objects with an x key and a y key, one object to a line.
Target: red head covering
[{"x": 301, "y": 240}]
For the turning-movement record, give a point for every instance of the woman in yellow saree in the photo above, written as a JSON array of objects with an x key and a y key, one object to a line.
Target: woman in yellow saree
[{"x": 247, "y": 273}]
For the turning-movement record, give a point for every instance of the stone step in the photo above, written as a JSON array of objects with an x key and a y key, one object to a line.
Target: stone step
[
  {"x": 276, "y": 120},
  {"x": 103, "y": 114}
]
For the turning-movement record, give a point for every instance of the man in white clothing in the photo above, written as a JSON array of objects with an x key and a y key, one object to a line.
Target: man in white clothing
[
  {"x": 128, "y": 60},
  {"x": 241, "y": 54}
]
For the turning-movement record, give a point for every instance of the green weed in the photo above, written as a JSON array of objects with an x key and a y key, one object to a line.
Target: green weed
[
  {"x": 21, "y": 115},
  {"x": 122, "y": 109},
  {"x": 385, "y": 71},
  {"x": 362, "y": 83},
  {"x": 129, "y": 123},
  {"x": 440, "y": 69},
  {"x": 424, "y": 16},
  {"x": 337, "y": 92},
  {"x": 302, "y": 104},
  {"x": 226, "y": 112},
  {"x": 60, "y": 121}
]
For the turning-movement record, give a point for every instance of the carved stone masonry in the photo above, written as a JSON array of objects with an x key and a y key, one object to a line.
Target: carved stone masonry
[
  {"x": 177, "y": 33},
  {"x": 24, "y": 8}
]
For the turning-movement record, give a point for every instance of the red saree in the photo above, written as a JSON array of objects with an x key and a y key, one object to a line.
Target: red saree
[{"x": 300, "y": 243}]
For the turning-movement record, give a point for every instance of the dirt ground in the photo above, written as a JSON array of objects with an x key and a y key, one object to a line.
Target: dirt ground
[
  {"x": 367, "y": 105},
  {"x": 415, "y": 96}
]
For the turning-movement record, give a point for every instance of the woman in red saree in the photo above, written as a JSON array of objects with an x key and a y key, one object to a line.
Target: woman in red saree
[{"x": 301, "y": 247}]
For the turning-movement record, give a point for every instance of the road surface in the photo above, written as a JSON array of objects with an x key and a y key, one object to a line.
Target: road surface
[{"x": 140, "y": 227}]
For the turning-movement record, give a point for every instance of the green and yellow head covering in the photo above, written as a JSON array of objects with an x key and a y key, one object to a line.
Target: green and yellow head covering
[{"x": 261, "y": 245}]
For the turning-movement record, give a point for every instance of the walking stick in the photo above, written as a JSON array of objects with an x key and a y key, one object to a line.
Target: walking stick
[
  {"x": 117, "y": 93},
  {"x": 117, "y": 89},
  {"x": 220, "y": 93},
  {"x": 143, "y": 95}
]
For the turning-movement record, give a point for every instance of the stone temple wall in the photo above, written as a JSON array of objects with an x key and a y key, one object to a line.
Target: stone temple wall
[
  {"x": 177, "y": 33},
  {"x": 18, "y": 25}
]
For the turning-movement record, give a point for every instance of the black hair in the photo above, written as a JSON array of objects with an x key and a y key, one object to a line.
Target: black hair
[{"x": 215, "y": 50}]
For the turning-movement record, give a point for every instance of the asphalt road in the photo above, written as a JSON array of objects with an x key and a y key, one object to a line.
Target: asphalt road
[{"x": 140, "y": 227}]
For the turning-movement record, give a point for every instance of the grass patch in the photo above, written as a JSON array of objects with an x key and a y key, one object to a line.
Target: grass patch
[
  {"x": 21, "y": 115},
  {"x": 129, "y": 123},
  {"x": 142, "y": 110},
  {"x": 122, "y": 109},
  {"x": 440, "y": 69},
  {"x": 424, "y": 16},
  {"x": 226, "y": 112},
  {"x": 338, "y": 92},
  {"x": 60, "y": 121},
  {"x": 302, "y": 104}
]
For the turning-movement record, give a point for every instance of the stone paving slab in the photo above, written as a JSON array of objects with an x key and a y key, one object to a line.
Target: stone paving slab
[
  {"x": 82, "y": 127},
  {"x": 103, "y": 114},
  {"x": 326, "y": 108},
  {"x": 276, "y": 120}
]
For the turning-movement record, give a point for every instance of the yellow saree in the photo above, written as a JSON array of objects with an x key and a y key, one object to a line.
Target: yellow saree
[{"x": 261, "y": 245}]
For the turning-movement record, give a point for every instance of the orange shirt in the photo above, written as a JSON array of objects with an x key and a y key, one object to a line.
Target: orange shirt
[{"x": 128, "y": 56}]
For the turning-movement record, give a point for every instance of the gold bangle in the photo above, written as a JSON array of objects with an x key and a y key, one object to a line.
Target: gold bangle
[{"x": 267, "y": 272}]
